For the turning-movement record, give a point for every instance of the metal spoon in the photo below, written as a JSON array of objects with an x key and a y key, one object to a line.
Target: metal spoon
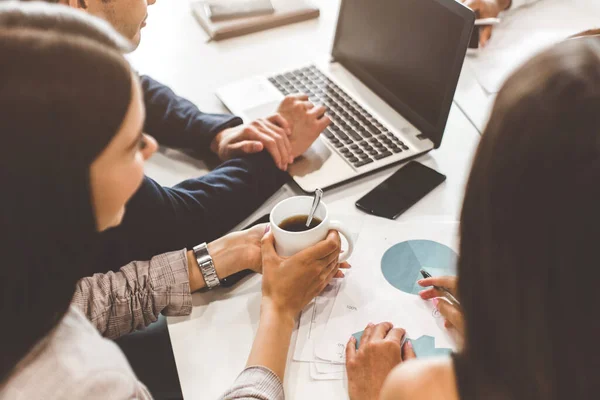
[{"x": 315, "y": 204}]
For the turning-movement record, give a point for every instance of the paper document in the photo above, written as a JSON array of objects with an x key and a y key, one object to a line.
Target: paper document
[
  {"x": 525, "y": 32},
  {"x": 382, "y": 284}
]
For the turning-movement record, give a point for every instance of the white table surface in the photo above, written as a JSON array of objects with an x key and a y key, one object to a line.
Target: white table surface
[{"x": 211, "y": 345}]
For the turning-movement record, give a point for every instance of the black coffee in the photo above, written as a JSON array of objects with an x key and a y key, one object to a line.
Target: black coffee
[{"x": 297, "y": 223}]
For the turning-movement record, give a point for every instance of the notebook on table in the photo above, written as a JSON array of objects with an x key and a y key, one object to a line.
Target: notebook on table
[{"x": 286, "y": 12}]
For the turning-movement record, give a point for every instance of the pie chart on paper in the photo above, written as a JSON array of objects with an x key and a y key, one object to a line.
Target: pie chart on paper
[{"x": 401, "y": 263}]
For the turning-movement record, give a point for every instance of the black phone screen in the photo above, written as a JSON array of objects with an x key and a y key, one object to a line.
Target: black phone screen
[{"x": 401, "y": 190}]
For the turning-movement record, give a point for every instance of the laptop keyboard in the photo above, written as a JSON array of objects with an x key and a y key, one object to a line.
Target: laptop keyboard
[{"x": 356, "y": 135}]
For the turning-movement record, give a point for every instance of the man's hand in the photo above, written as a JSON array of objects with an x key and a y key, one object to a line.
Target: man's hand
[
  {"x": 379, "y": 352},
  {"x": 306, "y": 121},
  {"x": 270, "y": 133},
  {"x": 486, "y": 9}
]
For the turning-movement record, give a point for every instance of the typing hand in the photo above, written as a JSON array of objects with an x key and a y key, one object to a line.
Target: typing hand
[
  {"x": 271, "y": 133},
  {"x": 452, "y": 313},
  {"x": 486, "y": 9},
  {"x": 306, "y": 121},
  {"x": 379, "y": 352},
  {"x": 289, "y": 284}
]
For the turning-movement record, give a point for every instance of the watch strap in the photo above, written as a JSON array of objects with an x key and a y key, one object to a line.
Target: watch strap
[{"x": 207, "y": 267}]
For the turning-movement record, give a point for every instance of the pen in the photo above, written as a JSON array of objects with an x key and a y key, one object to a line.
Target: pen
[
  {"x": 487, "y": 21},
  {"x": 445, "y": 291}
]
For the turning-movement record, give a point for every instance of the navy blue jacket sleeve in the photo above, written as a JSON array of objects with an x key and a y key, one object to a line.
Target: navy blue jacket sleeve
[
  {"x": 177, "y": 122},
  {"x": 160, "y": 219}
]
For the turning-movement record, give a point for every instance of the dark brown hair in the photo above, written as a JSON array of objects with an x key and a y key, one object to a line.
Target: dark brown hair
[
  {"x": 63, "y": 97},
  {"x": 530, "y": 233}
]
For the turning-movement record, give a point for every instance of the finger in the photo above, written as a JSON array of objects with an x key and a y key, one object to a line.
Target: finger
[
  {"x": 267, "y": 246},
  {"x": 448, "y": 282},
  {"x": 245, "y": 147},
  {"x": 345, "y": 265},
  {"x": 339, "y": 274},
  {"x": 300, "y": 96},
  {"x": 451, "y": 313},
  {"x": 381, "y": 330},
  {"x": 448, "y": 324},
  {"x": 308, "y": 105},
  {"x": 430, "y": 294},
  {"x": 272, "y": 148},
  {"x": 331, "y": 270},
  {"x": 485, "y": 33},
  {"x": 366, "y": 336},
  {"x": 283, "y": 136},
  {"x": 278, "y": 120},
  {"x": 351, "y": 349},
  {"x": 395, "y": 335},
  {"x": 321, "y": 250},
  {"x": 408, "y": 351},
  {"x": 280, "y": 138},
  {"x": 323, "y": 123},
  {"x": 317, "y": 111}
]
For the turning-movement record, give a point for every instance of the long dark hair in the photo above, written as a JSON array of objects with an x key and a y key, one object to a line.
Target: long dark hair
[
  {"x": 62, "y": 99},
  {"x": 530, "y": 233}
]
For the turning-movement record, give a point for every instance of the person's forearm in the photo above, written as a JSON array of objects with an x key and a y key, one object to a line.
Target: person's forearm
[{"x": 272, "y": 340}]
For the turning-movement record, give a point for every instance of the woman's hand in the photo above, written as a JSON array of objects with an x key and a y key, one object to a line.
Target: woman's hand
[
  {"x": 379, "y": 352},
  {"x": 451, "y": 312},
  {"x": 289, "y": 284}
]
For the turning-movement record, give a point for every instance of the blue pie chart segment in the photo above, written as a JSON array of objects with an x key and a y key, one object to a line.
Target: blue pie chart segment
[{"x": 402, "y": 262}]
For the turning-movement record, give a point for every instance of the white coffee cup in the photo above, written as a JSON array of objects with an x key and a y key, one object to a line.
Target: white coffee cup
[{"x": 289, "y": 243}]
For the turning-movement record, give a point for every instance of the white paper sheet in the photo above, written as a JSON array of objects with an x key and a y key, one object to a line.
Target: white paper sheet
[
  {"x": 366, "y": 296},
  {"x": 334, "y": 376},
  {"x": 525, "y": 32}
]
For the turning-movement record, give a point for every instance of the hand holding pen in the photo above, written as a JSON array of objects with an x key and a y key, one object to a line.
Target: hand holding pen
[{"x": 443, "y": 294}]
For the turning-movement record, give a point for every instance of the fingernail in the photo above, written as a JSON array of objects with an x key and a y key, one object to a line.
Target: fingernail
[
  {"x": 352, "y": 339},
  {"x": 420, "y": 282},
  {"x": 435, "y": 302},
  {"x": 369, "y": 325},
  {"x": 291, "y": 160},
  {"x": 267, "y": 229},
  {"x": 409, "y": 343}
]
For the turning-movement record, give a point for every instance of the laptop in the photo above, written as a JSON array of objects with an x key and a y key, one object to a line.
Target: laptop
[{"x": 388, "y": 87}]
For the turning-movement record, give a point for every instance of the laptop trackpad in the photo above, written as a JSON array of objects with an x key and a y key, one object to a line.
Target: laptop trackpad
[{"x": 262, "y": 110}]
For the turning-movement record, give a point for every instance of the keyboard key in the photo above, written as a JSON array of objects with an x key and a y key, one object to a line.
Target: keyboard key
[
  {"x": 363, "y": 162},
  {"x": 338, "y": 144},
  {"x": 382, "y": 155},
  {"x": 364, "y": 156},
  {"x": 373, "y": 152},
  {"x": 396, "y": 149},
  {"x": 345, "y": 151},
  {"x": 348, "y": 155},
  {"x": 404, "y": 147},
  {"x": 354, "y": 147},
  {"x": 328, "y": 134},
  {"x": 354, "y": 135},
  {"x": 353, "y": 159},
  {"x": 341, "y": 135}
]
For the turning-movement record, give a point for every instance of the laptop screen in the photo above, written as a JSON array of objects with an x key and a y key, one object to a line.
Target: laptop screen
[{"x": 409, "y": 52}]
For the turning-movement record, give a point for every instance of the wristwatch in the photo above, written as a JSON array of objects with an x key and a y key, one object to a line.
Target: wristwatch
[{"x": 207, "y": 267}]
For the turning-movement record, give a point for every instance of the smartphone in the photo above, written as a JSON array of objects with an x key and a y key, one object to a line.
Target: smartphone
[
  {"x": 401, "y": 190},
  {"x": 238, "y": 276},
  {"x": 238, "y": 9}
]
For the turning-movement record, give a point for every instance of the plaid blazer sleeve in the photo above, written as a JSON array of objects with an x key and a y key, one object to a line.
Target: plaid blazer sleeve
[{"x": 117, "y": 303}]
